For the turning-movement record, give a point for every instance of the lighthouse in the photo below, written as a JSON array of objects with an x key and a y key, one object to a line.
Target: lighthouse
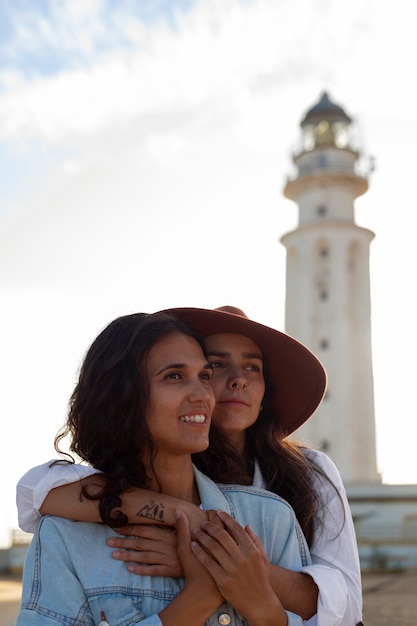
[{"x": 328, "y": 302}]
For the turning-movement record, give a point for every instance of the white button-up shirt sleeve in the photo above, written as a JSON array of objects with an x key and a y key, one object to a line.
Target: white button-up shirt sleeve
[
  {"x": 334, "y": 552},
  {"x": 35, "y": 485},
  {"x": 335, "y": 548}
]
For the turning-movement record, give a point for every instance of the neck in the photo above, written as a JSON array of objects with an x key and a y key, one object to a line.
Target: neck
[
  {"x": 236, "y": 438},
  {"x": 177, "y": 478}
]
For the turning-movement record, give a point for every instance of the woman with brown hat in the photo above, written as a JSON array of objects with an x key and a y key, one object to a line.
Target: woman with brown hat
[
  {"x": 266, "y": 385},
  {"x": 141, "y": 406}
]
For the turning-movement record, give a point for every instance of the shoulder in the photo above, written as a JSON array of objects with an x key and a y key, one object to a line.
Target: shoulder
[
  {"x": 324, "y": 464},
  {"x": 49, "y": 522},
  {"x": 273, "y": 521},
  {"x": 59, "y": 471},
  {"x": 249, "y": 493},
  {"x": 217, "y": 495},
  {"x": 67, "y": 528}
]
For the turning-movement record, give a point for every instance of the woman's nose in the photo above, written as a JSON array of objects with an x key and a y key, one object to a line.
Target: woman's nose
[
  {"x": 237, "y": 381},
  {"x": 202, "y": 391},
  {"x": 237, "y": 385}
]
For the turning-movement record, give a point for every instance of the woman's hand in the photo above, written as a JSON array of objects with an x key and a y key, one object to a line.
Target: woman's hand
[
  {"x": 149, "y": 550},
  {"x": 234, "y": 558},
  {"x": 196, "y": 575},
  {"x": 152, "y": 550},
  {"x": 199, "y": 597}
]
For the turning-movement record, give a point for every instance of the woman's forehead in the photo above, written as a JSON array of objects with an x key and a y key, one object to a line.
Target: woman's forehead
[
  {"x": 175, "y": 348},
  {"x": 226, "y": 342}
]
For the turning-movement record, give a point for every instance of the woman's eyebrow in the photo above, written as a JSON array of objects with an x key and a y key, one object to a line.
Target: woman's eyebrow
[
  {"x": 179, "y": 366},
  {"x": 246, "y": 355},
  {"x": 169, "y": 366},
  {"x": 252, "y": 355}
]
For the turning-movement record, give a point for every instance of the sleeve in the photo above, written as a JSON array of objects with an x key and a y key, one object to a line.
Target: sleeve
[
  {"x": 334, "y": 554},
  {"x": 35, "y": 485}
]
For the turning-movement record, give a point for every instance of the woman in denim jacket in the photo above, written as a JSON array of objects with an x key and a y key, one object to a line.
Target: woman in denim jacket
[
  {"x": 142, "y": 405},
  {"x": 247, "y": 446}
]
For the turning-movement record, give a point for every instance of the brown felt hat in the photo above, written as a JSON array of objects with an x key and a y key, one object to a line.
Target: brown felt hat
[{"x": 298, "y": 378}]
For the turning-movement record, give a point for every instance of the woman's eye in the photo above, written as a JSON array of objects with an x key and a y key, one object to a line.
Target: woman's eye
[
  {"x": 206, "y": 375},
  {"x": 252, "y": 367},
  {"x": 173, "y": 376},
  {"x": 216, "y": 364}
]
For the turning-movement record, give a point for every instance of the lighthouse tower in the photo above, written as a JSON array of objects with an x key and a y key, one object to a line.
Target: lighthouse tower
[{"x": 328, "y": 305}]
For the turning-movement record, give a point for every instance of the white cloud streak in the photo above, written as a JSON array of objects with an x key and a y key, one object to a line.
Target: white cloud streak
[{"x": 224, "y": 52}]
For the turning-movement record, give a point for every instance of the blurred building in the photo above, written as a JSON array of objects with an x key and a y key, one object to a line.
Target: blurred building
[
  {"x": 12, "y": 558},
  {"x": 328, "y": 308}
]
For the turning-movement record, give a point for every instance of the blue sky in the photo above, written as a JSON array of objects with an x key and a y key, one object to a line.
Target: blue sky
[
  {"x": 45, "y": 37},
  {"x": 144, "y": 146}
]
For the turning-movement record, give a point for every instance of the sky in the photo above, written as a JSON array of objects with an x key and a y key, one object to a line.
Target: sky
[{"x": 144, "y": 148}]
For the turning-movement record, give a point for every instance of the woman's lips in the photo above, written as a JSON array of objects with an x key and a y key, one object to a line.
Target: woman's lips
[{"x": 234, "y": 401}]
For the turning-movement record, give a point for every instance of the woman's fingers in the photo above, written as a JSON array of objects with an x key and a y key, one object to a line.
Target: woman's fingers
[
  {"x": 228, "y": 539},
  {"x": 152, "y": 551},
  {"x": 183, "y": 530},
  {"x": 234, "y": 557},
  {"x": 196, "y": 575},
  {"x": 147, "y": 531},
  {"x": 148, "y": 541},
  {"x": 258, "y": 544}
]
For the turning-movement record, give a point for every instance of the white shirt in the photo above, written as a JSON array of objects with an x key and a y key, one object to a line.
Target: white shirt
[{"x": 334, "y": 553}]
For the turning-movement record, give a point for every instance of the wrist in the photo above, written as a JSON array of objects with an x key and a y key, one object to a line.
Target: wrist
[{"x": 270, "y": 614}]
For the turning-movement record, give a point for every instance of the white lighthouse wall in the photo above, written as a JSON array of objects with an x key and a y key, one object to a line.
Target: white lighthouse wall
[{"x": 328, "y": 309}]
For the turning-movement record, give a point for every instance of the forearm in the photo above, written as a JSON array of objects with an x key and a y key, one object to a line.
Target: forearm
[
  {"x": 268, "y": 614},
  {"x": 69, "y": 502},
  {"x": 297, "y": 592},
  {"x": 191, "y": 606},
  {"x": 141, "y": 506}
]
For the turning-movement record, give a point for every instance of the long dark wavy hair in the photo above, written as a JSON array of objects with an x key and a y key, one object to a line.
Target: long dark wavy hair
[
  {"x": 106, "y": 417},
  {"x": 285, "y": 468}
]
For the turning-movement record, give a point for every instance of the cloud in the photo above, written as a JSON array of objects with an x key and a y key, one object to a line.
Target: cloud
[
  {"x": 229, "y": 76},
  {"x": 46, "y": 37},
  {"x": 117, "y": 68}
]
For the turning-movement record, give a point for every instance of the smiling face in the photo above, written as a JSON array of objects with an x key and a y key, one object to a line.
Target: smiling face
[
  {"x": 181, "y": 399},
  {"x": 238, "y": 383}
]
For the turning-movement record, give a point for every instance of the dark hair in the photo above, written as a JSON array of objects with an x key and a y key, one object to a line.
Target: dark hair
[
  {"x": 106, "y": 418},
  {"x": 285, "y": 468}
]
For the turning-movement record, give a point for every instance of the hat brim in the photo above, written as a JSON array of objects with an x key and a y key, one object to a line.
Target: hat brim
[{"x": 298, "y": 378}]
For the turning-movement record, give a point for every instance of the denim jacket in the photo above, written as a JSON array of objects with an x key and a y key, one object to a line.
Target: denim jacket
[{"x": 70, "y": 576}]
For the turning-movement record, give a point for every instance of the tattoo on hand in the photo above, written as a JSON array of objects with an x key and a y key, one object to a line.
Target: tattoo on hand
[{"x": 152, "y": 511}]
